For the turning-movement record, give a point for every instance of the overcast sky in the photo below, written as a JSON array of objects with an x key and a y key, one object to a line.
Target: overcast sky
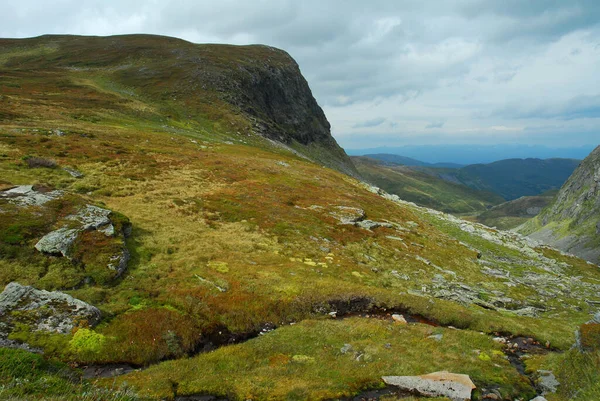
[{"x": 391, "y": 72}]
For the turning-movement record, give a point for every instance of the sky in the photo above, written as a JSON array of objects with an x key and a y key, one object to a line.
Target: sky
[{"x": 391, "y": 72}]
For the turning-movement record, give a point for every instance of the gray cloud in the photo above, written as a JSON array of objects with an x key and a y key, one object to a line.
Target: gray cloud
[
  {"x": 490, "y": 70},
  {"x": 434, "y": 125},
  {"x": 370, "y": 123}
]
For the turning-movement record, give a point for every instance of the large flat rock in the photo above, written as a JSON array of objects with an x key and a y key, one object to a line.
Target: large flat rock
[{"x": 457, "y": 387}]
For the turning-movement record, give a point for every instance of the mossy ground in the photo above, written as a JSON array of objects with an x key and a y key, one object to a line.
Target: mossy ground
[{"x": 231, "y": 232}]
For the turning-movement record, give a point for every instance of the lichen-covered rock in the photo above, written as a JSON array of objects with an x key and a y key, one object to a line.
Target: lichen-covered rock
[
  {"x": 89, "y": 237},
  {"x": 58, "y": 242},
  {"x": 94, "y": 218},
  {"x": 41, "y": 310},
  {"x": 457, "y": 387},
  {"x": 29, "y": 195}
]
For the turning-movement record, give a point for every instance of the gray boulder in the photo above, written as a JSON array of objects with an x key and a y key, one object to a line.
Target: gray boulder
[
  {"x": 42, "y": 310},
  {"x": 58, "y": 242},
  {"x": 457, "y": 387}
]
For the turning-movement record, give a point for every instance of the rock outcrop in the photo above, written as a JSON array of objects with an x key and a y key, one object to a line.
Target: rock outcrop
[
  {"x": 40, "y": 310},
  {"x": 571, "y": 222},
  {"x": 89, "y": 235}
]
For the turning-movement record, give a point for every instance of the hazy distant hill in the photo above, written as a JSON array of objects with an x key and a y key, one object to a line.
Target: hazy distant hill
[
  {"x": 424, "y": 189},
  {"x": 408, "y": 161},
  {"x": 512, "y": 178},
  {"x": 473, "y": 154}
]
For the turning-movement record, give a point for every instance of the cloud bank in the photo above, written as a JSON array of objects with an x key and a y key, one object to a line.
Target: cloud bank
[{"x": 387, "y": 72}]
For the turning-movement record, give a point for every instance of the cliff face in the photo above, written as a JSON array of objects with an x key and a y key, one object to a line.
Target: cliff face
[
  {"x": 248, "y": 90},
  {"x": 572, "y": 221}
]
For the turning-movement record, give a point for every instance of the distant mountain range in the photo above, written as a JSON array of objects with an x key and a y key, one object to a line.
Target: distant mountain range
[
  {"x": 409, "y": 161},
  {"x": 474, "y": 154},
  {"x": 424, "y": 188},
  {"x": 509, "y": 179}
]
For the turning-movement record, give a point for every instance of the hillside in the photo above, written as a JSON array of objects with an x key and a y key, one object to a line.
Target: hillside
[
  {"x": 424, "y": 189},
  {"x": 572, "y": 221},
  {"x": 163, "y": 237},
  {"x": 513, "y": 213}
]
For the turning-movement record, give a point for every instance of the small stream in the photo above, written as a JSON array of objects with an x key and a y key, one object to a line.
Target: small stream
[{"x": 514, "y": 347}]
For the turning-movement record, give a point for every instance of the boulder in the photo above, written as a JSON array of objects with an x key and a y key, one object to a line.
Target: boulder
[
  {"x": 58, "y": 242},
  {"x": 42, "y": 310},
  {"x": 457, "y": 387}
]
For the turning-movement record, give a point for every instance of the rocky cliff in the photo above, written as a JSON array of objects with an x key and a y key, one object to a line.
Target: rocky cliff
[{"x": 572, "y": 221}]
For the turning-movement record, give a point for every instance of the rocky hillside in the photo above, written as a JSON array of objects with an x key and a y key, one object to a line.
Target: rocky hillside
[
  {"x": 155, "y": 245},
  {"x": 246, "y": 90},
  {"x": 572, "y": 221}
]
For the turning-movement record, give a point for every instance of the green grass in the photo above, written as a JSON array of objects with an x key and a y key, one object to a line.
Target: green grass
[
  {"x": 27, "y": 376},
  {"x": 304, "y": 361}
]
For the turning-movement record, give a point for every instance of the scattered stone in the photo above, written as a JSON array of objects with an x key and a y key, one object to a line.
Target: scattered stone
[
  {"x": 346, "y": 348},
  {"x": 436, "y": 337},
  {"x": 74, "y": 173},
  {"x": 370, "y": 224},
  {"x": 538, "y": 398},
  {"x": 282, "y": 163},
  {"x": 348, "y": 215},
  {"x": 399, "y": 319},
  {"x": 43, "y": 310},
  {"x": 547, "y": 382},
  {"x": 457, "y": 387}
]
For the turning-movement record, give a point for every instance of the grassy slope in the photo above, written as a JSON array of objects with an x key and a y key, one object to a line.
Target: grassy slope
[
  {"x": 424, "y": 189},
  {"x": 239, "y": 212}
]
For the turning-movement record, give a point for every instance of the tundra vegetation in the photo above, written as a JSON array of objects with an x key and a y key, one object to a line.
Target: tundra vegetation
[{"x": 238, "y": 234}]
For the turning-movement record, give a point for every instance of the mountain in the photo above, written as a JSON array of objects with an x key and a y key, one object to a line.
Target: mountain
[
  {"x": 407, "y": 161},
  {"x": 572, "y": 221},
  {"x": 163, "y": 237},
  {"x": 512, "y": 178},
  {"x": 422, "y": 188},
  {"x": 477, "y": 154},
  {"x": 245, "y": 91},
  {"x": 513, "y": 213}
]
